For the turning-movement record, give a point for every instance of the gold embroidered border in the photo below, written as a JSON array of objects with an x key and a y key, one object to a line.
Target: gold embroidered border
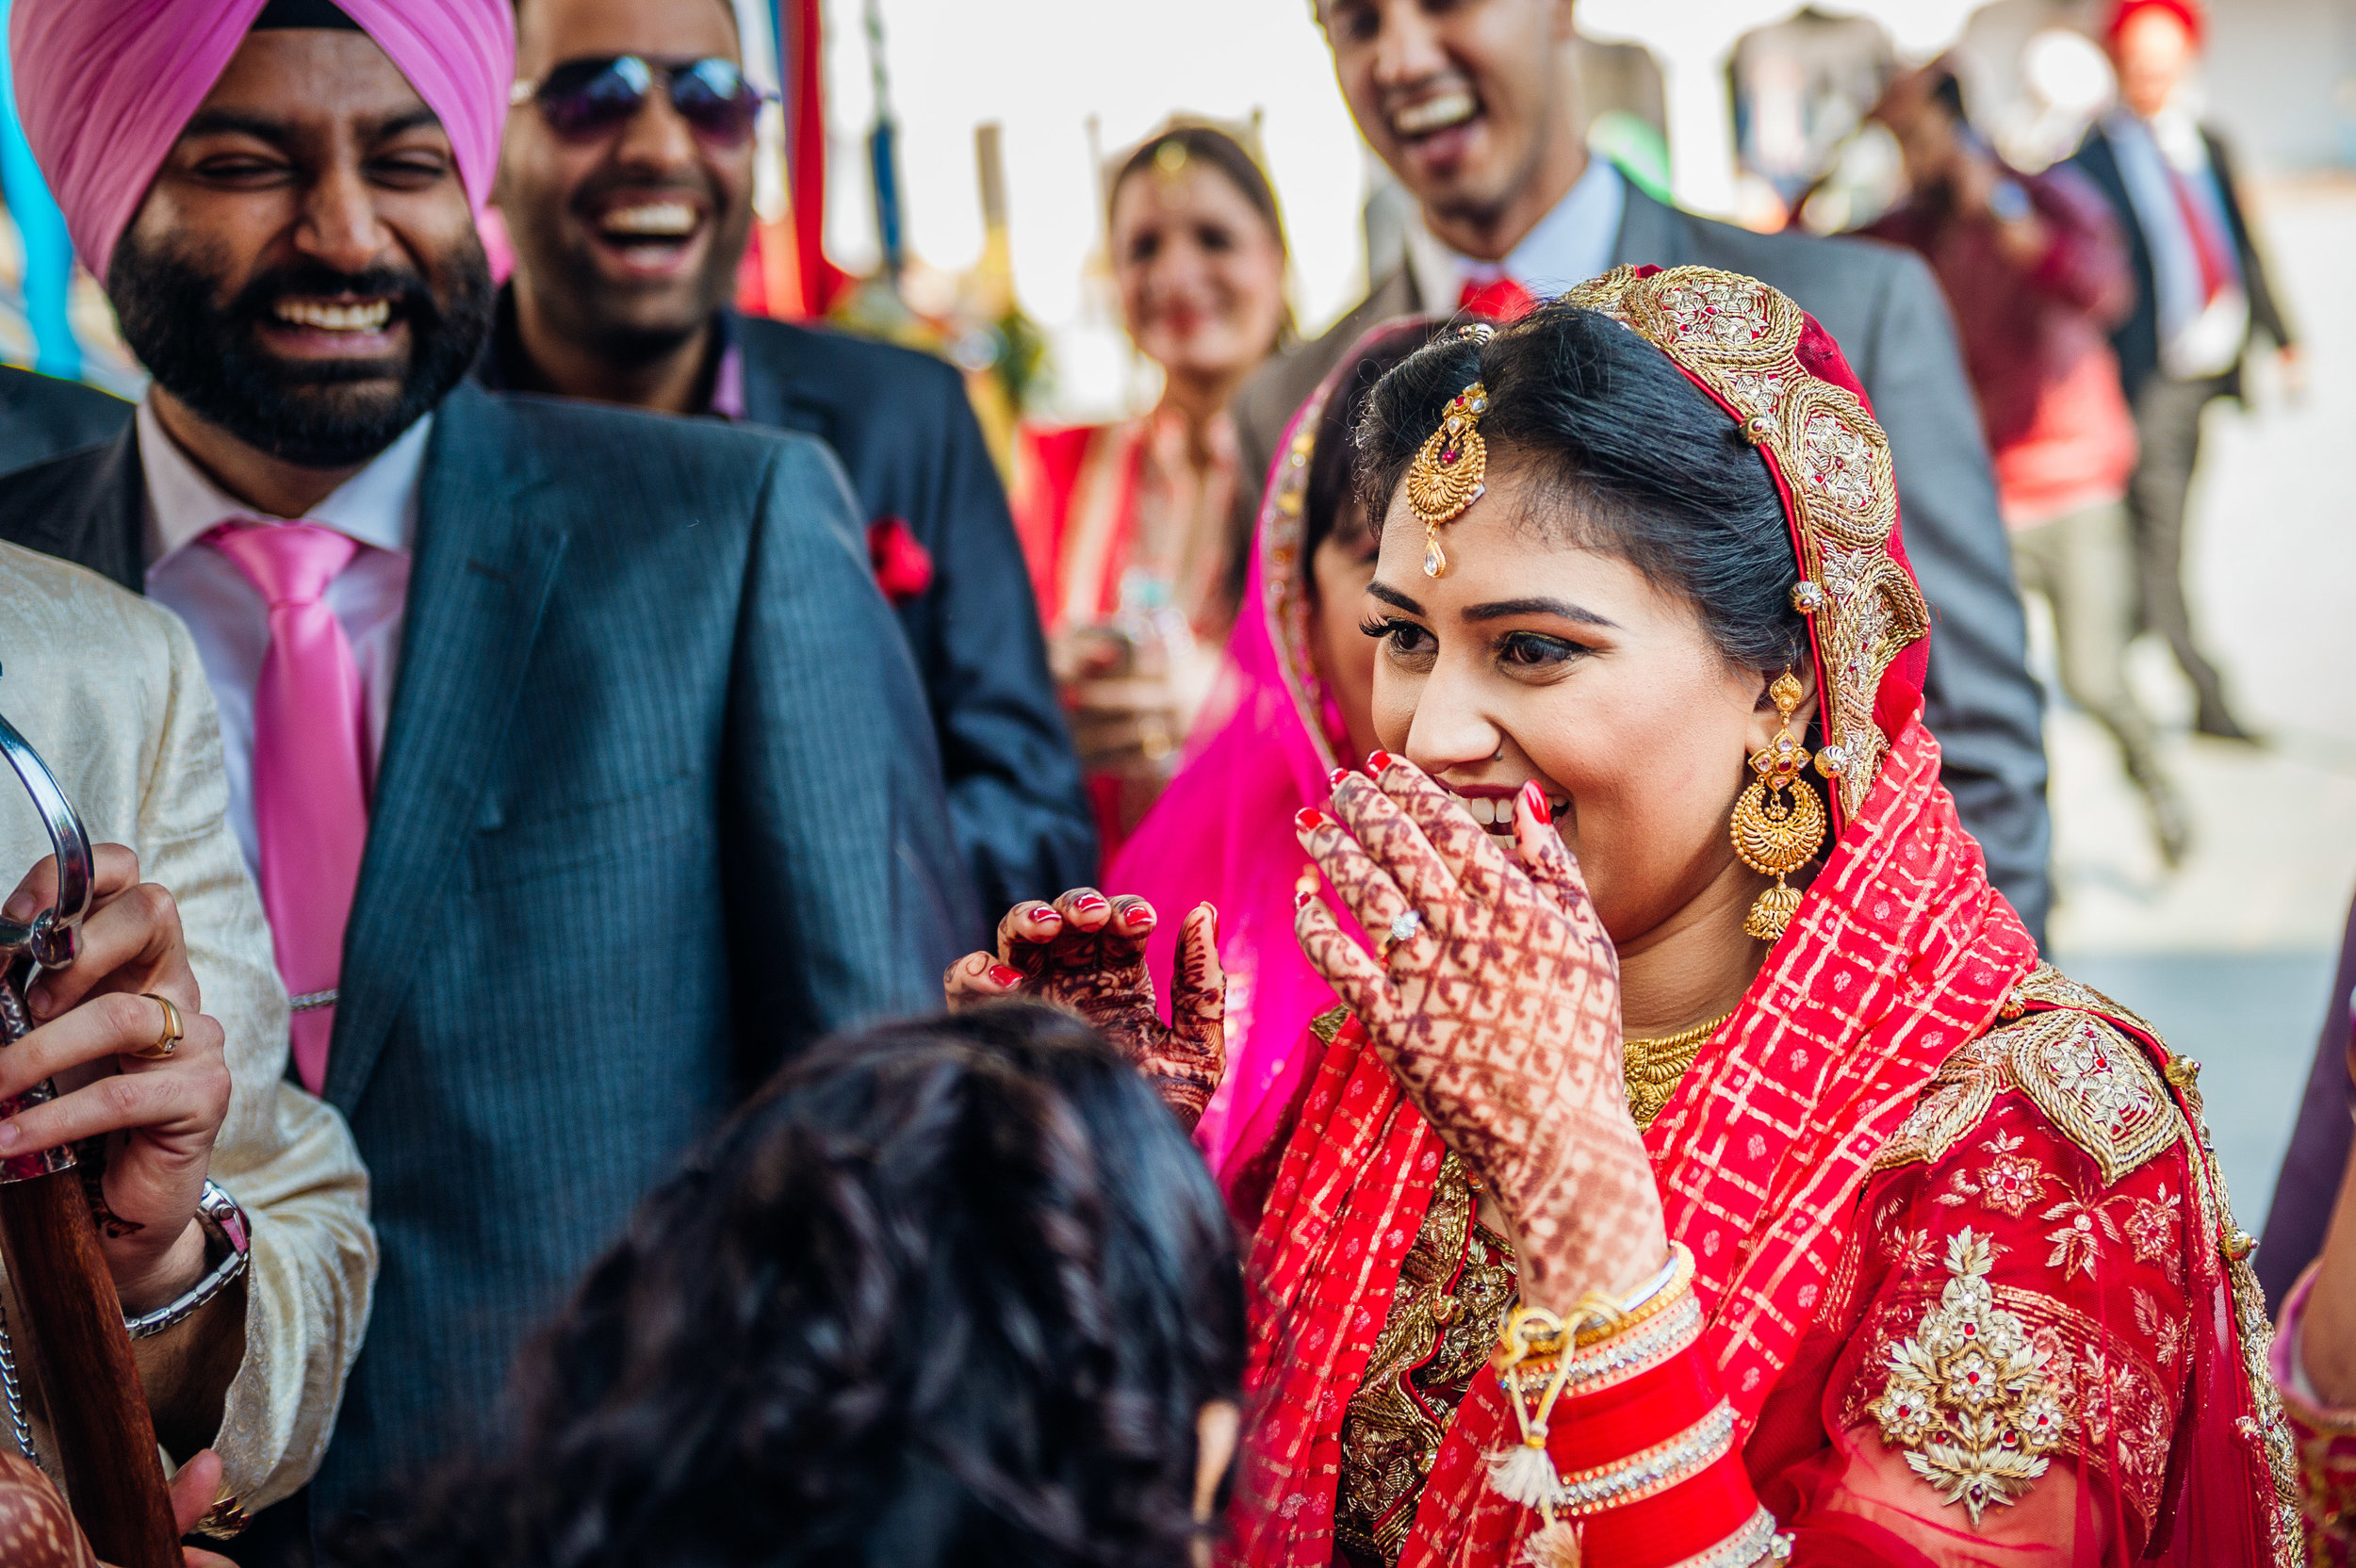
[
  {"x": 2268, "y": 1432},
  {"x": 2092, "y": 1081},
  {"x": 1738, "y": 338},
  {"x": 1283, "y": 573},
  {"x": 1442, "y": 1318}
]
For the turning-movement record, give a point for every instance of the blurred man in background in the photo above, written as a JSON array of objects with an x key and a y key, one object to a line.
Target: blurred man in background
[
  {"x": 627, "y": 183},
  {"x": 2036, "y": 274},
  {"x": 2202, "y": 289},
  {"x": 1474, "y": 106}
]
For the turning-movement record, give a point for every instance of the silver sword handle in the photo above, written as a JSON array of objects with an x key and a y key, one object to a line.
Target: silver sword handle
[{"x": 52, "y": 937}]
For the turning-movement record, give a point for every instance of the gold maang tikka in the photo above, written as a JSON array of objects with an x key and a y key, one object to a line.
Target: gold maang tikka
[
  {"x": 1774, "y": 837},
  {"x": 1446, "y": 476}
]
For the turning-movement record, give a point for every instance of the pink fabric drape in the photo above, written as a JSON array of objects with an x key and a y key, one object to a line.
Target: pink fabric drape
[
  {"x": 1223, "y": 829},
  {"x": 104, "y": 88}
]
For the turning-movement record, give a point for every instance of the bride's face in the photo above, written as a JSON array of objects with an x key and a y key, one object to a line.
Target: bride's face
[{"x": 1535, "y": 659}]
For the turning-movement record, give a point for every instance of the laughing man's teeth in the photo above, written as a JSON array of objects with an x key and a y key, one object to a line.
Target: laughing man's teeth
[
  {"x": 660, "y": 218},
  {"x": 1433, "y": 114},
  {"x": 370, "y": 317}
]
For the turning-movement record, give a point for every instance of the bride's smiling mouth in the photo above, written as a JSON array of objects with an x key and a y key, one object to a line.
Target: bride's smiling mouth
[{"x": 1492, "y": 804}]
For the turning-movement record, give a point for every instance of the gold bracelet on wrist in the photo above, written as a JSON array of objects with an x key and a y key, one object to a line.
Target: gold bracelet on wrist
[{"x": 1533, "y": 1333}]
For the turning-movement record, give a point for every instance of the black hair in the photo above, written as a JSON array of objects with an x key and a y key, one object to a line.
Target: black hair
[
  {"x": 1222, "y": 152},
  {"x": 1326, "y": 497},
  {"x": 324, "y": 15},
  {"x": 1630, "y": 456},
  {"x": 947, "y": 1292}
]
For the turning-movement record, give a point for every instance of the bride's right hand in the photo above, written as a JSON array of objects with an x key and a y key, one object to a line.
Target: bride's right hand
[
  {"x": 1087, "y": 953},
  {"x": 1497, "y": 1003}
]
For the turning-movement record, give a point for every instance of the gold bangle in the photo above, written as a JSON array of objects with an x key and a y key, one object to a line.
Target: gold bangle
[{"x": 1533, "y": 1333}]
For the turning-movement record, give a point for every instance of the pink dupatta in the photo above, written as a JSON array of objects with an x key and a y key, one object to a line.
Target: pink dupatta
[
  {"x": 1223, "y": 830},
  {"x": 1263, "y": 747}
]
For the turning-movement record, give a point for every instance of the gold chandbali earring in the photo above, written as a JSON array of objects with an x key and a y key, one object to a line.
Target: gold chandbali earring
[
  {"x": 1446, "y": 476},
  {"x": 1776, "y": 837}
]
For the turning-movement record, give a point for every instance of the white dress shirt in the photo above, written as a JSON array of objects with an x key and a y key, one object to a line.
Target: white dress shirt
[
  {"x": 1572, "y": 243},
  {"x": 2199, "y": 336},
  {"x": 377, "y": 506}
]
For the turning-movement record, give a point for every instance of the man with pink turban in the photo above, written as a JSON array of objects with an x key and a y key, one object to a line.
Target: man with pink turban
[{"x": 583, "y": 767}]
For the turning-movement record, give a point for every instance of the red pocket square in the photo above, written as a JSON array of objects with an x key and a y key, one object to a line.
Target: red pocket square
[{"x": 904, "y": 568}]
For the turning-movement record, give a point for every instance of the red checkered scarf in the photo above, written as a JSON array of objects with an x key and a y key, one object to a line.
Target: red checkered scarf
[{"x": 1900, "y": 953}]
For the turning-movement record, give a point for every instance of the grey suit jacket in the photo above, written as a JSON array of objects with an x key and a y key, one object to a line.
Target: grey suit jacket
[
  {"x": 1884, "y": 308},
  {"x": 659, "y": 803}
]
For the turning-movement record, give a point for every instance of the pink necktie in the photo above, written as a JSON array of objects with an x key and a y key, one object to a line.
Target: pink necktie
[{"x": 310, "y": 789}]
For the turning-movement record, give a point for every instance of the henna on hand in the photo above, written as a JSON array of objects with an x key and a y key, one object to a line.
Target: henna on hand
[
  {"x": 1087, "y": 953},
  {"x": 1498, "y": 1009}
]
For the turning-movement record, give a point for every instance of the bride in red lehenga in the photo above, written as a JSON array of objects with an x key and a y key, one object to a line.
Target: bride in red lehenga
[{"x": 1649, "y": 1208}]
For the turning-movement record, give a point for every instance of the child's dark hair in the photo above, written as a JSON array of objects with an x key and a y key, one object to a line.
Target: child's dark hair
[{"x": 949, "y": 1292}]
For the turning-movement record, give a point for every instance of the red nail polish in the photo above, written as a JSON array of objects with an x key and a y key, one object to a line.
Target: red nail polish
[
  {"x": 1143, "y": 917},
  {"x": 1309, "y": 819},
  {"x": 1537, "y": 800},
  {"x": 1301, "y": 898},
  {"x": 1378, "y": 760},
  {"x": 1002, "y": 974},
  {"x": 1093, "y": 901},
  {"x": 1333, "y": 779}
]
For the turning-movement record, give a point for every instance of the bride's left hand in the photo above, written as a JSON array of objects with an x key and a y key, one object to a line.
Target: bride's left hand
[
  {"x": 1087, "y": 953},
  {"x": 1499, "y": 1008}
]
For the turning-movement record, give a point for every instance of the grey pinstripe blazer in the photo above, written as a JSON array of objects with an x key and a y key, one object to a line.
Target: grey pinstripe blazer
[{"x": 659, "y": 803}]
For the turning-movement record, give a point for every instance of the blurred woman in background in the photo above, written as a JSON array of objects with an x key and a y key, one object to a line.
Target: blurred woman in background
[
  {"x": 1295, "y": 698},
  {"x": 1126, "y": 525}
]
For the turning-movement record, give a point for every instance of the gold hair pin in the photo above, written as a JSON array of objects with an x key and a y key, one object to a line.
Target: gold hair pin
[{"x": 1446, "y": 476}]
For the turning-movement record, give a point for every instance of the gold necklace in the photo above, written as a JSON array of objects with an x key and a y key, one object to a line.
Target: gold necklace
[{"x": 1652, "y": 1068}]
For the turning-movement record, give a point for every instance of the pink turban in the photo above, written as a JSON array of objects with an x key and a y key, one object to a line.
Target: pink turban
[{"x": 104, "y": 85}]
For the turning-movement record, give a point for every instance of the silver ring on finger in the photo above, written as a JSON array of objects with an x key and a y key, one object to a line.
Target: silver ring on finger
[
  {"x": 1403, "y": 928},
  {"x": 167, "y": 1042}
]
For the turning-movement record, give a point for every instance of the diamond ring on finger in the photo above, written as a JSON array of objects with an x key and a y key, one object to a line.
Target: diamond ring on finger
[{"x": 1403, "y": 928}]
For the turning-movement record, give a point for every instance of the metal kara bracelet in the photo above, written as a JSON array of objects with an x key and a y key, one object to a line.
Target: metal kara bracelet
[{"x": 226, "y": 1230}]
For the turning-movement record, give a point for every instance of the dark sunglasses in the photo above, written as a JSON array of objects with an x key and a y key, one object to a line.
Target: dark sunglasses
[{"x": 590, "y": 97}]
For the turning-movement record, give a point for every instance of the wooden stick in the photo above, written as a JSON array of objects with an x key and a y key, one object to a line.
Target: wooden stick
[{"x": 98, "y": 1417}]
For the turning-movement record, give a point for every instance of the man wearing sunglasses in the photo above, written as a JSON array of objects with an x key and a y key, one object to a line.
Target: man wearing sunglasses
[{"x": 626, "y": 182}]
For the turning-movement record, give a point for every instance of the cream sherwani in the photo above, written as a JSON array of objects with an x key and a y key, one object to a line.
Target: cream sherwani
[{"x": 109, "y": 688}]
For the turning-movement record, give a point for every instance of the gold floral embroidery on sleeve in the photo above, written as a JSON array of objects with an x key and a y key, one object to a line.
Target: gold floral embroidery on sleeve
[
  {"x": 1969, "y": 1400},
  {"x": 2089, "y": 1078}
]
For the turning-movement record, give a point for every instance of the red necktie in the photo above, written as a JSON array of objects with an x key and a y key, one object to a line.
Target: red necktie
[
  {"x": 310, "y": 784},
  {"x": 2216, "y": 263},
  {"x": 1500, "y": 300}
]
